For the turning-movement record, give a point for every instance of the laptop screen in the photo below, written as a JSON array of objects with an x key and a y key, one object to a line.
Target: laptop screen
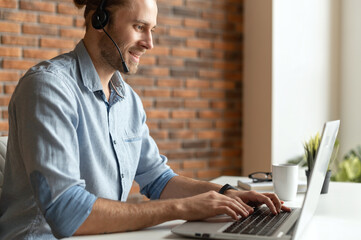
[{"x": 324, "y": 153}]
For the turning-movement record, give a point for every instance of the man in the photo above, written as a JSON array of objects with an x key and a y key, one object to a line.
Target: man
[{"x": 78, "y": 139}]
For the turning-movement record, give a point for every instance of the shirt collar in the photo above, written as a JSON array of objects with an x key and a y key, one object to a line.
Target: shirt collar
[{"x": 89, "y": 75}]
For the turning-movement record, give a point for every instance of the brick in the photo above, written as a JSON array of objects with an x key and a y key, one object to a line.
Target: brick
[
  {"x": 209, "y": 34},
  {"x": 186, "y": 12},
  {"x": 196, "y": 63},
  {"x": 37, "y": 6},
  {"x": 185, "y": 93},
  {"x": 140, "y": 81},
  {"x": 148, "y": 60},
  {"x": 39, "y": 29},
  {"x": 154, "y": 71},
  {"x": 10, "y": 27},
  {"x": 40, "y": 53},
  {"x": 4, "y": 100},
  {"x": 195, "y": 144},
  {"x": 180, "y": 155},
  {"x": 171, "y": 124},
  {"x": 182, "y": 134},
  {"x": 19, "y": 16},
  {"x": 171, "y": 62},
  {"x": 199, "y": 43},
  {"x": 220, "y": 163},
  {"x": 226, "y": 46},
  {"x": 184, "y": 52},
  {"x": 79, "y": 22},
  {"x": 72, "y": 33},
  {"x": 211, "y": 74},
  {"x": 197, "y": 83},
  {"x": 211, "y": 54},
  {"x": 159, "y": 135},
  {"x": 157, "y": 114},
  {"x": 228, "y": 153},
  {"x": 215, "y": 16},
  {"x": 169, "y": 82},
  {"x": 18, "y": 64},
  {"x": 208, "y": 174},
  {"x": 175, "y": 165},
  {"x": 69, "y": 9},
  {"x": 10, "y": 52},
  {"x": 171, "y": 41},
  {"x": 200, "y": 124},
  {"x": 197, "y": 104},
  {"x": 203, "y": 4},
  {"x": 4, "y": 126},
  {"x": 168, "y": 145},
  {"x": 9, "y": 89},
  {"x": 170, "y": 21},
  {"x": 147, "y": 103},
  {"x": 193, "y": 164},
  {"x": 56, "y": 20},
  {"x": 210, "y": 154},
  {"x": 183, "y": 72},
  {"x": 228, "y": 66},
  {"x": 19, "y": 40},
  {"x": 196, "y": 23},
  {"x": 5, "y": 114},
  {"x": 168, "y": 103},
  {"x": 183, "y": 114},
  {"x": 182, "y": 32},
  {"x": 10, "y": 76},
  {"x": 209, "y": 134},
  {"x": 159, "y": 51},
  {"x": 170, "y": 2},
  {"x": 214, "y": 94},
  {"x": 8, "y": 3},
  {"x": 210, "y": 114},
  {"x": 56, "y": 43},
  {"x": 157, "y": 93},
  {"x": 223, "y": 84}
]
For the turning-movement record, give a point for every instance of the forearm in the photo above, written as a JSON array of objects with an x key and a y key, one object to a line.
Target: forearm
[
  {"x": 180, "y": 187},
  {"x": 109, "y": 216}
]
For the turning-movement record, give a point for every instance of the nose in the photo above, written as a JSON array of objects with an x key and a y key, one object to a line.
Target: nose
[{"x": 147, "y": 41}]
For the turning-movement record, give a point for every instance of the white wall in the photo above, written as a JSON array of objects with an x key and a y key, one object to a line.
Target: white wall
[
  {"x": 350, "y": 89},
  {"x": 304, "y": 72}
]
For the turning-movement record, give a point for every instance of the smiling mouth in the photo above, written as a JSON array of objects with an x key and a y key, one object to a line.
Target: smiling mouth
[{"x": 135, "y": 56}]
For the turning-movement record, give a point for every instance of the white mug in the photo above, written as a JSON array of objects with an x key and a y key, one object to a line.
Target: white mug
[{"x": 285, "y": 181}]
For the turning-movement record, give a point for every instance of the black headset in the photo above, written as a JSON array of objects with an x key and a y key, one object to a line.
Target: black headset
[{"x": 100, "y": 18}]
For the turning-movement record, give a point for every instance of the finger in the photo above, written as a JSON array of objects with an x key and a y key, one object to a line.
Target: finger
[
  {"x": 239, "y": 208},
  {"x": 266, "y": 200},
  {"x": 276, "y": 201},
  {"x": 245, "y": 205},
  {"x": 228, "y": 211},
  {"x": 284, "y": 208}
]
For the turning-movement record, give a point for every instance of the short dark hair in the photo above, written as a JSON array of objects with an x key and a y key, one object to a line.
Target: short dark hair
[{"x": 92, "y": 5}]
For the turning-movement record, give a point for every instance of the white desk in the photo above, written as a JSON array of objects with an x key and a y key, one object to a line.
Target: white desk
[{"x": 338, "y": 216}]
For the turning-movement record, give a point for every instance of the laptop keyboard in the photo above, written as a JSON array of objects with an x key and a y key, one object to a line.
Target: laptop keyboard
[{"x": 262, "y": 222}]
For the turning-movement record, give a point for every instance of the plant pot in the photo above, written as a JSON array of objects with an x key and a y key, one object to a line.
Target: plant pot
[{"x": 325, "y": 182}]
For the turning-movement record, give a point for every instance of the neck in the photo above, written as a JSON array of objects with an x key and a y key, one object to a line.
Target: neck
[{"x": 105, "y": 72}]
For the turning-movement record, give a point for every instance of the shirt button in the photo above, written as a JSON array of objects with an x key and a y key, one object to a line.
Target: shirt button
[
  {"x": 122, "y": 175},
  {"x": 115, "y": 142}
]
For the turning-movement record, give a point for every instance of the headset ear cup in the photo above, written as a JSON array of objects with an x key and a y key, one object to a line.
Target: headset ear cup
[{"x": 100, "y": 19}]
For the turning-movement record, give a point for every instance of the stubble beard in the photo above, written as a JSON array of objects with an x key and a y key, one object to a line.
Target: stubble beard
[{"x": 111, "y": 56}]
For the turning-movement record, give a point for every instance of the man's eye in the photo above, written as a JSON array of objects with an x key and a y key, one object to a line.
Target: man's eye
[{"x": 140, "y": 27}]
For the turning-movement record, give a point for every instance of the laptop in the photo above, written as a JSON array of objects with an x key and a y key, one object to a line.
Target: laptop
[{"x": 287, "y": 225}]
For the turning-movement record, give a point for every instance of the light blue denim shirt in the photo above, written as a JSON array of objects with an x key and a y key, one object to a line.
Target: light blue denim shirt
[{"x": 68, "y": 146}]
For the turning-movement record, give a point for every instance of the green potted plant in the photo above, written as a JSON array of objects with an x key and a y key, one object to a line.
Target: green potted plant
[
  {"x": 311, "y": 148},
  {"x": 349, "y": 169}
]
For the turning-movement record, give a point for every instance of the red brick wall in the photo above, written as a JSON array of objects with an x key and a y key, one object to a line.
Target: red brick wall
[{"x": 190, "y": 83}]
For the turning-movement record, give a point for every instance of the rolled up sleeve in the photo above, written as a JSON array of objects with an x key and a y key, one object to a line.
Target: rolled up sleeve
[{"x": 49, "y": 146}]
